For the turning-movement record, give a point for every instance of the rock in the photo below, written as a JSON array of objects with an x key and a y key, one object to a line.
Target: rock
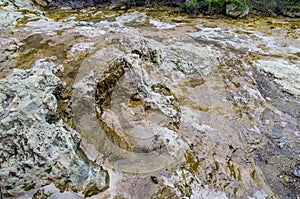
[
  {"x": 259, "y": 195},
  {"x": 297, "y": 173},
  {"x": 176, "y": 101},
  {"x": 41, "y": 2},
  {"x": 187, "y": 185},
  {"x": 12, "y": 12},
  {"x": 9, "y": 18},
  {"x": 35, "y": 152},
  {"x": 80, "y": 48},
  {"x": 89, "y": 31},
  {"x": 236, "y": 10},
  {"x": 130, "y": 128},
  {"x": 232, "y": 10},
  {"x": 154, "y": 179},
  {"x": 166, "y": 193},
  {"x": 28, "y": 4},
  {"x": 191, "y": 59},
  {"x": 9, "y": 48},
  {"x": 286, "y": 74},
  {"x": 293, "y": 14},
  {"x": 41, "y": 194},
  {"x": 161, "y": 25}
]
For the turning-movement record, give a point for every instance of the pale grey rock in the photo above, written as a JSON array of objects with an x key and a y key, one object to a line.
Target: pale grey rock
[
  {"x": 297, "y": 173},
  {"x": 47, "y": 64},
  {"x": 9, "y": 17},
  {"x": 47, "y": 26},
  {"x": 162, "y": 25},
  {"x": 286, "y": 73},
  {"x": 11, "y": 12},
  {"x": 81, "y": 48},
  {"x": 260, "y": 194},
  {"x": 193, "y": 59},
  {"x": 25, "y": 3},
  {"x": 233, "y": 10},
  {"x": 132, "y": 18},
  {"x": 93, "y": 71},
  {"x": 145, "y": 84},
  {"x": 184, "y": 178},
  {"x": 226, "y": 38},
  {"x": 89, "y": 31},
  {"x": 34, "y": 149},
  {"x": 9, "y": 47}
]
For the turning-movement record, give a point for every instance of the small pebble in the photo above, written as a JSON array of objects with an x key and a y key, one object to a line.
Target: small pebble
[
  {"x": 277, "y": 112},
  {"x": 297, "y": 173},
  {"x": 286, "y": 179},
  {"x": 267, "y": 121},
  {"x": 154, "y": 179},
  {"x": 283, "y": 124}
]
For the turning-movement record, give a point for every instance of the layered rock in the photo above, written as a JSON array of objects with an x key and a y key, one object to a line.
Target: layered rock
[{"x": 286, "y": 74}]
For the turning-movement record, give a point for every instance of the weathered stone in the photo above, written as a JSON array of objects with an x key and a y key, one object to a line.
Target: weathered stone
[
  {"x": 173, "y": 97},
  {"x": 33, "y": 151},
  {"x": 12, "y": 12},
  {"x": 240, "y": 9},
  {"x": 286, "y": 73}
]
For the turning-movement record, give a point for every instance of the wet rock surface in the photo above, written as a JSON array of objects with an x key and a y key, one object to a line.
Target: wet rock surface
[{"x": 170, "y": 107}]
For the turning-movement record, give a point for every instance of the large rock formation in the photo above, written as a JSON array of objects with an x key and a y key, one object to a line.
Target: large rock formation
[{"x": 171, "y": 107}]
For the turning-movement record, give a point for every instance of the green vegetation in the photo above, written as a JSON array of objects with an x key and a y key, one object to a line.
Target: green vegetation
[
  {"x": 269, "y": 7},
  {"x": 92, "y": 189},
  {"x": 215, "y": 6},
  {"x": 232, "y": 8},
  {"x": 28, "y": 187},
  {"x": 278, "y": 7}
]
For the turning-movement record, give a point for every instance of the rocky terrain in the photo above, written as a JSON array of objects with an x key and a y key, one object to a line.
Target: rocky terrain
[{"x": 147, "y": 103}]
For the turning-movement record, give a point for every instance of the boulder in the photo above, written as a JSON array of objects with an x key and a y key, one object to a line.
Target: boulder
[{"x": 35, "y": 149}]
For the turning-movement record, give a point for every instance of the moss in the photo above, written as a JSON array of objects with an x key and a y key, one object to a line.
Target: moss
[
  {"x": 51, "y": 118},
  {"x": 117, "y": 139},
  {"x": 92, "y": 189},
  {"x": 252, "y": 174},
  {"x": 271, "y": 7},
  {"x": 194, "y": 82},
  {"x": 202, "y": 108},
  {"x": 106, "y": 86},
  {"x": 192, "y": 161},
  {"x": 28, "y": 187},
  {"x": 48, "y": 170},
  {"x": 186, "y": 190},
  {"x": 215, "y": 6},
  {"x": 167, "y": 193},
  {"x": 193, "y": 4},
  {"x": 41, "y": 195},
  {"x": 296, "y": 8},
  {"x": 208, "y": 7}
]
